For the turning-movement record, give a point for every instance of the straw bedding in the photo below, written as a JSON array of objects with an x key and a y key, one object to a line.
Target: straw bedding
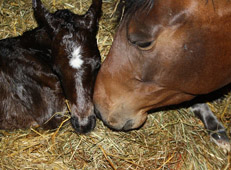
[{"x": 172, "y": 139}]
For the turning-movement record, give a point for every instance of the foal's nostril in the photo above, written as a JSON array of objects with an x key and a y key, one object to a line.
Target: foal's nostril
[
  {"x": 83, "y": 126},
  {"x": 97, "y": 113},
  {"x": 128, "y": 125}
]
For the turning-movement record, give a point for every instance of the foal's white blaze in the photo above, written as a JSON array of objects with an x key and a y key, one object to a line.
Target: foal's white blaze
[{"x": 76, "y": 61}]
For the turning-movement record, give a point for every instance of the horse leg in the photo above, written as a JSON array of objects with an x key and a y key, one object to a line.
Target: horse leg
[{"x": 214, "y": 127}]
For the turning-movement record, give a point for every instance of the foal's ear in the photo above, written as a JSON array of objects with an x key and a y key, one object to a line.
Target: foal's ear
[
  {"x": 96, "y": 8},
  {"x": 92, "y": 16},
  {"x": 42, "y": 16}
]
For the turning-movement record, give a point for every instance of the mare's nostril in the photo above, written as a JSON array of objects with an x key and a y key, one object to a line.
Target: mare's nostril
[
  {"x": 128, "y": 125},
  {"x": 84, "y": 126}
]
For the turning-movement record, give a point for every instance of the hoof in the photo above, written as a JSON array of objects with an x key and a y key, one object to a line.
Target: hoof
[{"x": 221, "y": 139}]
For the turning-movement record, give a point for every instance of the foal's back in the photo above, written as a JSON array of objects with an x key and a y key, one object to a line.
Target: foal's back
[{"x": 30, "y": 91}]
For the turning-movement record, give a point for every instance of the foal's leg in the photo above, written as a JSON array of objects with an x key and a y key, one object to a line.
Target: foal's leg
[{"x": 214, "y": 127}]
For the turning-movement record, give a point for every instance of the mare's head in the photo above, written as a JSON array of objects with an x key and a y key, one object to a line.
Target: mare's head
[
  {"x": 164, "y": 52},
  {"x": 75, "y": 57}
]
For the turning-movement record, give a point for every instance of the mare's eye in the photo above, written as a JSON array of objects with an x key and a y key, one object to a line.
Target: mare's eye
[{"x": 145, "y": 45}]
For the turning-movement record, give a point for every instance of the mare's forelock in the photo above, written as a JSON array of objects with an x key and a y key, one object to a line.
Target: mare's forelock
[{"x": 131, "y": 6}]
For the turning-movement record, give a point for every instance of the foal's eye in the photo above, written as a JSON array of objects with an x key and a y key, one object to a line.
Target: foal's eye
[{"x": 145, "y": 45}]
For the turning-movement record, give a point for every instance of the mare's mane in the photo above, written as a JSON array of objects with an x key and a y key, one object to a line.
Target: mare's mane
[{"x": 131, "y": 6}]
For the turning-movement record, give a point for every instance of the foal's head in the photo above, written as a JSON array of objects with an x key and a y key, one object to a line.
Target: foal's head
[{"x": 76, "y": 59}]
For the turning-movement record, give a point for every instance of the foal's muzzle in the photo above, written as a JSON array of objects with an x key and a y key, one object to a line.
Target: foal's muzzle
[{"x": 84, "y": 126}]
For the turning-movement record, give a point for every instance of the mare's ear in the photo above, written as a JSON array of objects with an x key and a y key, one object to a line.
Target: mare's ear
[
  {"x": 92, "y": 16},
  {"x": 43, "y": 17}
]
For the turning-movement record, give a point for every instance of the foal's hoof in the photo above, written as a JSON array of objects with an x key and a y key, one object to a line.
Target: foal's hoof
[{"x": 221, "y": 139}]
